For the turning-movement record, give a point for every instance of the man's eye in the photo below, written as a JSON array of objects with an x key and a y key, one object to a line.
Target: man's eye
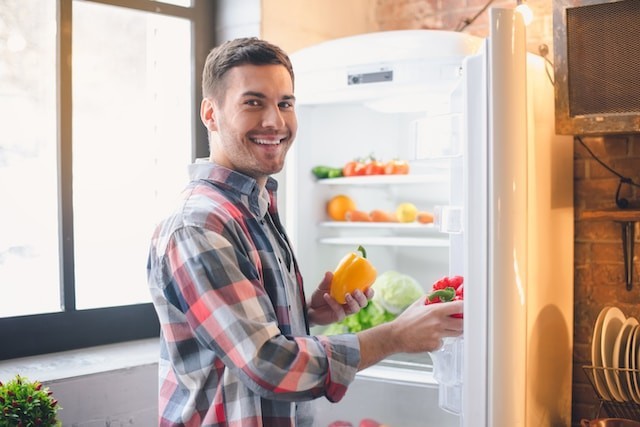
[
  {"x": 253, "y": 103},
  {"x": 286, "y": 104}
]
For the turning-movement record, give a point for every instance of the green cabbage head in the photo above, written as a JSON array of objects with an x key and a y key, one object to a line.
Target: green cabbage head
[{"x": 396, "y": 291}]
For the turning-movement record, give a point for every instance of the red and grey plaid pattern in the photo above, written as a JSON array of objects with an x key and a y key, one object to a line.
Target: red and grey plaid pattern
[{"x": 230, "y": 354}]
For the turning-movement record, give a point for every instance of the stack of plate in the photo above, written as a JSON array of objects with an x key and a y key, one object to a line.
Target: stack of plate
[{"x": 616, "y": 348}]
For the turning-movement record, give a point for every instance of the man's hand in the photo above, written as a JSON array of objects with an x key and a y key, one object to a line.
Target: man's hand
[
  {"x": 417, "y": 329},
  {"x": 323, "y": 310}
]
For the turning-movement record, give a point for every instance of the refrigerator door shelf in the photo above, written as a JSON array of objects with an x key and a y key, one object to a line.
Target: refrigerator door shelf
[
  {"x": 448, "y": 219},
  {"x": 447, "y": 371}
]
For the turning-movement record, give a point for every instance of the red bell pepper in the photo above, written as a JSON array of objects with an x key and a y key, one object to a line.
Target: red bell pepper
[{"x": 447, "y": 289}]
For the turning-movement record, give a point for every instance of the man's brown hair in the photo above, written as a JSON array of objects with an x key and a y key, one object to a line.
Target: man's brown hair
[{"x": 233, "y": 53}]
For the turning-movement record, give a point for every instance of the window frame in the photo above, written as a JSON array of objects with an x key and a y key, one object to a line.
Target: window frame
[{"x": 72, "y": 328}]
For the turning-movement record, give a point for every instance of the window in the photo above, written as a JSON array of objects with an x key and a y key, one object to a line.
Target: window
[
  {"x": 28, "y": 160},
  {"x": 98, "y": 100}
]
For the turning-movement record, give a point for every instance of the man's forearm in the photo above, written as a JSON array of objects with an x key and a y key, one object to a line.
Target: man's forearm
[{"x": 376, "y": 344}]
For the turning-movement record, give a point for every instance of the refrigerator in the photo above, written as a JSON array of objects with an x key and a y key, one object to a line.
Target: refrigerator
[{"x": 474, "y": 117}]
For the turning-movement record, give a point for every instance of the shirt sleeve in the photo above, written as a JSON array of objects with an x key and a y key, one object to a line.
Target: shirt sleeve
[{"x": 216, "y": 288}]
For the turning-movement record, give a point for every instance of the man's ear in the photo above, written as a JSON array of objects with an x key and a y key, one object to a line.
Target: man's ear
[{"x": 207, "y": 114}]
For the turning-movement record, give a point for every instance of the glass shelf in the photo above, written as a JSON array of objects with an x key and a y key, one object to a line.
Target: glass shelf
[
  {"x": 387, "y": 241},
  {"x": 386, "y": 179},
  {"x": 413, "y": 226}
]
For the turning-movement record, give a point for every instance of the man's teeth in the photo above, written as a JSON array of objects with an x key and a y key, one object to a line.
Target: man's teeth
[{"x": 267, "y": 141}]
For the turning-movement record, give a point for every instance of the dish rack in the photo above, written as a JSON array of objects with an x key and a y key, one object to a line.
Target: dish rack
[{"x": 629, "y": 410}]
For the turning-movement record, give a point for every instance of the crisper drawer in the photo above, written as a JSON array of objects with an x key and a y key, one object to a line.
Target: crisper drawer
[{"x": 392, "y": 401}]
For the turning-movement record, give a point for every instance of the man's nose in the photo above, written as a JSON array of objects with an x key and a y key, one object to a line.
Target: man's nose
[{"x": 273, "y": 118}]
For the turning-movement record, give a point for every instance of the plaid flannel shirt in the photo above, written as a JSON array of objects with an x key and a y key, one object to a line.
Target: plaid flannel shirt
[{"x": 235, "y": 349}]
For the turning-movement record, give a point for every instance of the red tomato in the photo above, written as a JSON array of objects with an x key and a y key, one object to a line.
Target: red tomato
[
  {"x": 374, "y": 167},
  {"x": 396, "y": 167},
  {"x": 353, "y": 168}
]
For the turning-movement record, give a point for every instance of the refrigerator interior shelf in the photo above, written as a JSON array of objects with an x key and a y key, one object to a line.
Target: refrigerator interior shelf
[
  {"x": 387, "y": 241},
  {"x": 412, "y": 226},
  {"x": 386, "y": 179},
  {"x": 420, "y": 376},
  {"x": 630, "y": 409}
]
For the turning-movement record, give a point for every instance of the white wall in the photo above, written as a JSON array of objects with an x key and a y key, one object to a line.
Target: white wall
[
  {"x": 237, "y": 18},
  {"x": 294, "y": 24},
  {"x": 124, "y": 397},
  {"x": 110, "y": 385}
]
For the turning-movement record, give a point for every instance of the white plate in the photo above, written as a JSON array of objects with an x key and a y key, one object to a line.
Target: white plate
[
  {"x": 621, "y": 358},
  {"x": 596, "y": 356},
  {"x": 636, "y": 347},
  {"x": 611, "y": 326},
  {"x": 633, "y": 364}
]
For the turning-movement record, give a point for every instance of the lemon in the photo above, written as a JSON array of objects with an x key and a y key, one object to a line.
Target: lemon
[{"x": 406, "y": 212}]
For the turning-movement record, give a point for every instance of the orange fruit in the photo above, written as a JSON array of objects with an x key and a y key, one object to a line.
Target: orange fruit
[
  {"x": 357, "y": 216},
  {"x": 338, "y": 206},
  {"x": 425, "y": 217},
  {"x": 378, "y": 215}
]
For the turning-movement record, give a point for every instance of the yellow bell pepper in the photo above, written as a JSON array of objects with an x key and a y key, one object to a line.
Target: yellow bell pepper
[{"x": 353, "y": 272}]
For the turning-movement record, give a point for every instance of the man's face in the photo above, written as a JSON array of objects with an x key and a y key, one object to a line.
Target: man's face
[{"x": 255, "y": 123}]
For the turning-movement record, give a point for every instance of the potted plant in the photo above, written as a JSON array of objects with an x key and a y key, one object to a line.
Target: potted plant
[{"x": 25, "y": 403}]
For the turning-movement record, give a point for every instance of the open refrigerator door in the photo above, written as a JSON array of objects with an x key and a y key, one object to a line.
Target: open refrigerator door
[{"x": 518, "y": 248}]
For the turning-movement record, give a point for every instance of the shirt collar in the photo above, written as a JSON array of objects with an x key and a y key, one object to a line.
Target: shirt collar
[{"x": 258, "y": 199}]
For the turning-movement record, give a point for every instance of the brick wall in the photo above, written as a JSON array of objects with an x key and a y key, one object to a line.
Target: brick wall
[
  {"x": 451, "y": 14},
  {"x": 598, "y": 266},
  {"x": 599, "y": 272}
]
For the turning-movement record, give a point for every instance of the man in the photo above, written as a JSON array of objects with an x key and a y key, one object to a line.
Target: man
[{"x": 235, "y": 347}]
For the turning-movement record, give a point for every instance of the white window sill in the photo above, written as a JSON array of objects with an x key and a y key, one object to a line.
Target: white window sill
[
  {"x": 93, "y": 360},
  {"x": 86, "y": 361}
]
